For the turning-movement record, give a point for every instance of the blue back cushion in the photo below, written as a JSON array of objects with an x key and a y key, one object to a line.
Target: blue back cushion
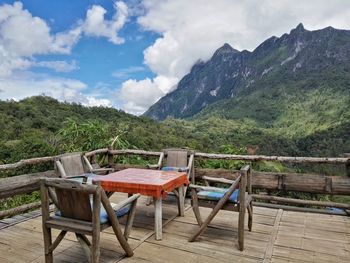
[
  {"x": 174, "y": 169},
  {"x": 215, "y": 196},
  {"x": 103, "y": 214}
]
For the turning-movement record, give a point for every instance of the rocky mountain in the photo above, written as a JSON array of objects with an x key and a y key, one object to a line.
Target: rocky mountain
[{"x": 305, "y": 74}]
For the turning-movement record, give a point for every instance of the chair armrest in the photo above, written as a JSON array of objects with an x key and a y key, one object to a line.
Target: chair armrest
[
  {"x": 158, "y": 165},
  {"x": 207, "y": 188},
  {"x": 60, "y": 169},
  {"x": 217, "y": 180},
  {"x": 77, "y": 176},
  {"x": 127, "y": 201},
  {"x": 98, "y": 170},
  {"x": 152, "y": 166}
]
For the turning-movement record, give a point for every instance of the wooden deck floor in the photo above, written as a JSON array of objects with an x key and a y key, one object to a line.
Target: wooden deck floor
[{"x": 278, "y": 236}]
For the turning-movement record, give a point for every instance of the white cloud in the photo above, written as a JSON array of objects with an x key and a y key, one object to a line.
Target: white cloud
[
  {"x": 192, "y": 30},
  {"x": 63, "y": 89},
  {"x": 22, "y": 35},
  {"x": 58, "y": 66},
  {"x": 138, "y": 95},
  {"x": 96, "y": 25},
  {"x": 125, "y": 73}
]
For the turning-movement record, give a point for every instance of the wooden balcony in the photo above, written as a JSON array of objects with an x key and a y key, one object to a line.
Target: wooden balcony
[{"x": 277, "y": 236}]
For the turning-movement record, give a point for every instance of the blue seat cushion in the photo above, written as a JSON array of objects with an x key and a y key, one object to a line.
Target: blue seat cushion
[
  {"x": 103, "y": 213},
  {"x": 174, "y": 169},
  {"x": 119, "y": 213},
  {"x": 216, "y": 196}
]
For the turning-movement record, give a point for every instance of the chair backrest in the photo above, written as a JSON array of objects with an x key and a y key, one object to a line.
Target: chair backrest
[
  {"x": 72, "y": 163},
  {"x": 72, "y": 198},
  {"x": 176, "y": 157}
]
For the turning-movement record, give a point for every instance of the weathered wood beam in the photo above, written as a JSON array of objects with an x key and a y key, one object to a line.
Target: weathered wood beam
[
  {"x": 301, "y": 209},
  {"x": 21, "y": 163},
  {"x": 331, "y": 160},
  {"x": 19, "y": 209},
  {"x": 98, "y": 151},
  {"x": 135, "y": 152},
  {"x": 335, "y": 160},
  {"x": 22, "y": 184},
  {"x": 299, "y": 182},
  {"x": 285, "y": 200}
]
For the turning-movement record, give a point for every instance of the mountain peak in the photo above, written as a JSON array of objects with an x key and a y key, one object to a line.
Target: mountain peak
[
  {"x": 299, "y": 29},
  {"x": 225, "y": 49}
]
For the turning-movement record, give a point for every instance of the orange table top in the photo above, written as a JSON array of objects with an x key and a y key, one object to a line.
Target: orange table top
[{"x": 154, "y": 183}]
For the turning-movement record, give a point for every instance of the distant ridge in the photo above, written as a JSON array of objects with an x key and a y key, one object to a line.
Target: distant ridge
[{"x": 280, "y": 69}]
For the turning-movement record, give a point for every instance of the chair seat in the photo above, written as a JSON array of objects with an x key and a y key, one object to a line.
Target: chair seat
[
  {"x": 216, "y": 196},
  {"x": 174, "y": 169},
  {"x": 103, "y": 213},
  {"x": 119, "y": 213}
]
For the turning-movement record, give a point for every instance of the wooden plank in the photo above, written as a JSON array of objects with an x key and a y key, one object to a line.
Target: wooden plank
[
  {"x": 273, "y": 237},
  {"x": 21, "y": 184},
  {"x": 300, "y": 201}
]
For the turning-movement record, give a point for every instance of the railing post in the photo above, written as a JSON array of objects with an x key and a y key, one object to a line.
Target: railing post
[
  {"x": 347, "y": 165},
  {"x": 110, "y": 157}
]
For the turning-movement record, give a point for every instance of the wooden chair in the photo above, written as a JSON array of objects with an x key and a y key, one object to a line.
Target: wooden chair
[
  {"x": 80, "y": 211},
  {"x": 181, "y": 160},
  {"x": 235, "y": 198},
  {"x": 76, "y": 165}
]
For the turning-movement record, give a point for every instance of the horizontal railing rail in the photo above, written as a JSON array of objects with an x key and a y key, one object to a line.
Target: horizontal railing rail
[
  {"x": 270, "y": 181},
  {"x": 288, "y": 159}
]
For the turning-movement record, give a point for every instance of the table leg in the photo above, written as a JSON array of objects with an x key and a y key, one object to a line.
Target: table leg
[
  {"x": 158, "y": 218},
  {"x": 181, "y": 200}
]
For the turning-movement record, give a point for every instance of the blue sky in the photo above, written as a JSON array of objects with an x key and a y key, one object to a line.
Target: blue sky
[{"x": 128, "y": 54}]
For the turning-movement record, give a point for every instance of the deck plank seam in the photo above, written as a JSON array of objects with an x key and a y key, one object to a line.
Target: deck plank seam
[{"x": 271, "y": 244}]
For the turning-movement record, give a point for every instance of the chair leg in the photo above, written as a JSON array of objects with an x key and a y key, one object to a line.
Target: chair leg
[
  {"x": 213, "y": 213},
  {"x": 95, "y": 247},
  {"x": 241, "y": 228},
  {"x": 149, "y": 200},
  {"x": 130, "y": 220},
  {"x": 250, "y": 216},
  {"x": 195, "y": 207},
  {"x": 181, "y": 201},
  {"x": 47, "y": 244},
  {"x": 85, "y": 244}
]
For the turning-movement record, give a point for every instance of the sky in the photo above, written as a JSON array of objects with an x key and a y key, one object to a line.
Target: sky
[{"x": 128, "y": 54}]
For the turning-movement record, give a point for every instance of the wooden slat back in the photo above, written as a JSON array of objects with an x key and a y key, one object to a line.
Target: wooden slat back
[
  {"x": 72, "y": 164},
  {"x": 74, "y": 204},
  {"x": 72, "y": 197},
  {"x": 176, "y": 158}
]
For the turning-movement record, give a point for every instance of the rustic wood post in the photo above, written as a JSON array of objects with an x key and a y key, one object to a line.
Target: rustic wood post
[
  {"x": 347, "y": 165},
  {"x": 110, "y": 156},
  {"x": 93, "y": 159}
]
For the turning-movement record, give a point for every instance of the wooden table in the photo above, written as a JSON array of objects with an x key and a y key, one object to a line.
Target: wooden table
[{"x": 148, "y": 182}]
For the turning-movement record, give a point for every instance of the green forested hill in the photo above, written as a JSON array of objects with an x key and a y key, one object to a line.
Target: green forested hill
[
  {"x": 33, "y": 127},
  {"x": 40, "y": 126}
]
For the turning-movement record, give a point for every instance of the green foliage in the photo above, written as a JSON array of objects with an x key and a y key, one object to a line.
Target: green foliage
[
  {"x": 84, "y": 136},
  {"x": 230, "y": 165},
  {"x": 18, "y": 200}
]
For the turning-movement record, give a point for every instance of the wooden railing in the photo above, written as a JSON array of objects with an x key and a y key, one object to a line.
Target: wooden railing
[{"x": 268, "y": 181}]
